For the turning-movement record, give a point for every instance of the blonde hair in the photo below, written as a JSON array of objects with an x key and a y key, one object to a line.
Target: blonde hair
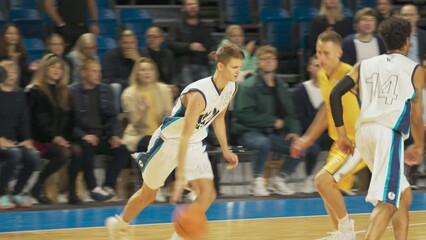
[
  {"x": 82, "y": 42},
  {"x": 232, "y": 27},
  {"x": 40, "y": 77},
  {"x": 227, "y": 51},
  {"x": 335, "y": 13},
  {"x": 133, "y": 79},
  {"x": 266, "y": 49},
  {"x": 8, "y": 64}
]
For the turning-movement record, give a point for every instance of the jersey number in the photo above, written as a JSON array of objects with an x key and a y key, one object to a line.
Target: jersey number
[{"x": 387, "y": 91}]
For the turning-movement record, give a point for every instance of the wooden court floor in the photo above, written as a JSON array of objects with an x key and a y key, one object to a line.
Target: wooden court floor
[{"x": 300, "y": 228}]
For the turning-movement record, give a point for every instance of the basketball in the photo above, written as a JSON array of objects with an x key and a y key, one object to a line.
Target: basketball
[{"x": 190, "y": 222}]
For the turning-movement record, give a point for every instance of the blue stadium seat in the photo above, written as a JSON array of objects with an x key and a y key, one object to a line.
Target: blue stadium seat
[
  {"x": 22, "y": 4},
  {"x": 106, "y": 4},
  {"x": 134, "y": 15},
  {"x": 139, "y": 29},
  {"x": 103, "y": 45},
  {"x": 35, "y": 48},
  {"x": 238, "y": 11},
  {"x": 28, "y": 22},
  {"x": 303, "y": 13},
  {"x": 270, "y": 13},
  {"x": 269, "y": 3},
  {"x": 280, "y": 34},
  {"x": 366, "y": 3},
  {"x": 2, "y": 21},
  {"x": 107, "y": 23},
  {"x": 300, "y": 3}
]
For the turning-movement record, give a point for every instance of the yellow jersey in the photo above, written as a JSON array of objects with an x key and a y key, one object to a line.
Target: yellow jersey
[{"x": 350, "y": 102}]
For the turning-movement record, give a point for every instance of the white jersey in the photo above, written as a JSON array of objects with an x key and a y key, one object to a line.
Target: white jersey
[
  {"x": 386, "y": 91},
  {"x": 216, "y": 102}
]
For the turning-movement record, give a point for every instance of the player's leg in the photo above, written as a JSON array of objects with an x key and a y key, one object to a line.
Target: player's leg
[
  {"x": 159, "y": 163},
  {"x": 338, "y": 166},
  {"x": 387, "y": 173},
  {"x": 400, "y": 219},
  {"x": 206, "y": 193}
]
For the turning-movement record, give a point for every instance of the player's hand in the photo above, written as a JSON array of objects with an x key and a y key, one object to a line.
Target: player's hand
[
  {"x": 413, "y": 155},
  {"x": 232, "y": 158},
  {"x": 179, "y": 186},
  {"x": 345, "y": 145},
  {"x": 292, "y": 137},
  {"x": 298, "y": 146}
]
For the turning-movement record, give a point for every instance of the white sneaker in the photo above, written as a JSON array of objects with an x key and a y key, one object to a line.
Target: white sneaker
[
  {"x": 117, "y": 228},
  {"x": 258, "y": 187},
  {"x": 277, "y": 185},
  {"x": 160, "y": 197},
  {"x": 308, "y": 185},
  {"x": 175, "y": 236},
  {"x": 350, "y": 234}
]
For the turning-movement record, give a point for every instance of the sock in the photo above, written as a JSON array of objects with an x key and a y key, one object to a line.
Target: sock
[
  {"x": 345, "y": 224},
  {"x": 175, "y": 236}
]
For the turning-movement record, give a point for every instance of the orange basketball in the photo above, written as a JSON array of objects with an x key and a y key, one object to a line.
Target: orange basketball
[{"x": 190, "y": 222}]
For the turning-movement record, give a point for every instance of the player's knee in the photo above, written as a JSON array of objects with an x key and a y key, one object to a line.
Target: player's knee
[
  {"x": 145, "y": 196},
  {"x": 208, "y": 195},
  {"x": 324, "y": 180},
  {"x": 406, "y": 198}
]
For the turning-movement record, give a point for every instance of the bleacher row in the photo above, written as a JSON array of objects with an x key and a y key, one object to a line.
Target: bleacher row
[{"x": 278, "y": 22}]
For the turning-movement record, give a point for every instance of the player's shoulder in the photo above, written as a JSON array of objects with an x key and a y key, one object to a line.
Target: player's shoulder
[{"x": 344, "y": 67}]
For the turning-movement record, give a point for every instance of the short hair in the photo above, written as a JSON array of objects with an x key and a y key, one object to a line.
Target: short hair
[
  {"x": 394, "y": 32},
  {"x": 266, "y": 49},
  {"x": 127, "y": 33},
  {"x": 158, "y": 29},
  {"x": 364, "y": 12},
  {"x": 227, "y": 51},
  {"x": 89, "y": 61},
  {"x": 52, "y": 36},
  {"x": 330, "y": 36},
  {"x": 232, "y": 27}
]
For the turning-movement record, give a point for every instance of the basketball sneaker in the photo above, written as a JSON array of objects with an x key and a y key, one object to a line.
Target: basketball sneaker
[
  {"x": 344, "y": 232},
  {"x": 21, "y": 201},
  {"x": 258, "y": 187},
  {"x": 277, "y": 185},
  {"x": 5, "y": 203},
  {"x": 117, "y": 228}
]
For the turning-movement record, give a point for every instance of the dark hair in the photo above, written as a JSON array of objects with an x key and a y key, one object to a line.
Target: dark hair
[
  {"x": 330, "y": 36},
  {"x": 395, "y": 32},
  {"x": 3, "y": 46}
]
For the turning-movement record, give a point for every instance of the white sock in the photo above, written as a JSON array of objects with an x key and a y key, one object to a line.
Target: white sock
[
  {"x": 345, "y": 224},
  {"x": 175, "y": 236}
]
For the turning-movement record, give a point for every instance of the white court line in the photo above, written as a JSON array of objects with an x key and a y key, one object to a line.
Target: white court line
[
  {"x": 389, "y": 227},
  {"x": 227, "y": 220}
]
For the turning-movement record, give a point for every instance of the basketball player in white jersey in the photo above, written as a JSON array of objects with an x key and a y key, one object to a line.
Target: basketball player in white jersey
[
  {"x": 390, "y": 88},
  {"x": 178, "y": 142}
]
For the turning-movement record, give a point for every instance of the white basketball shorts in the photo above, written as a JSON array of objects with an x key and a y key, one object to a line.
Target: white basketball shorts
[
  {"x": 161, "y": 159},
  {"x": 383, "y": 151}
]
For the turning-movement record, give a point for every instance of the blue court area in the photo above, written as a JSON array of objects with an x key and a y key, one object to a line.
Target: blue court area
[{"x": 221, "y": 210}]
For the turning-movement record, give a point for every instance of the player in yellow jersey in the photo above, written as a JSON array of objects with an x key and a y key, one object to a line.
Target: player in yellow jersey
[{"x": 340, "y": 167}]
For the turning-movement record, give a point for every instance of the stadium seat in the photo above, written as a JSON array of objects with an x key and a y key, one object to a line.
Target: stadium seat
[
  {"x": 280, "y": 34},
  {"x": 103, "y": 45},
  {"x": 103, "y": 4},
  {"x": 28, "y": 22},
  {"x": 134, "y": 15},
  {"x": 366, "y": 3},
  {"x": 139, "y": 29},
  {"x": 35, "y": 48},
  {"x": 270, "y": 13},
  {"x": 300, "y": 3},
  {"x": 107, "y": 23},
  {"x": 238, "y": 11},
  {"x": 304, "y": 12},
  {"x": 2, "y": 21},
  {"x": 31, "y": 4}
]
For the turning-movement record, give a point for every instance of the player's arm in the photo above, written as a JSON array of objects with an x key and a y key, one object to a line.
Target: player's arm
[
  {"x": 195, "y": 105},
  {"x": 219, "y": 128},
  {"x": 414, "y": 153},
  {"x": 342, "y": 87}
]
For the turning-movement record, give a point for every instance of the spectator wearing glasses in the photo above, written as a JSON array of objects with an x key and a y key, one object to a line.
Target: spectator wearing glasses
[
  {"x": 264, "y": 120},
  {"x": 418, "y": 36}
]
